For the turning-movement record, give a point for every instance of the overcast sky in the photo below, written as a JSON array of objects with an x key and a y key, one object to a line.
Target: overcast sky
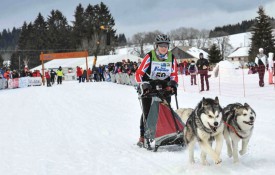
[{"x": 133, "y": 16}]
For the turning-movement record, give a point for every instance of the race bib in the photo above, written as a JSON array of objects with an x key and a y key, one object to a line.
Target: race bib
[{"x": 160, "y": 70}]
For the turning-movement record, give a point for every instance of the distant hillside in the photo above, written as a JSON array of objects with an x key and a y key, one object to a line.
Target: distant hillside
[{"x": 242, "y": 27}]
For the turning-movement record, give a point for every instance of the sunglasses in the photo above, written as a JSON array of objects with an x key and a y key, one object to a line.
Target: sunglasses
[{"x": 163, "y": 45}]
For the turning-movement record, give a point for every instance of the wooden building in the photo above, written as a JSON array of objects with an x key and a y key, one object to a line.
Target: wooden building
[{"x": 185, "y": 53}]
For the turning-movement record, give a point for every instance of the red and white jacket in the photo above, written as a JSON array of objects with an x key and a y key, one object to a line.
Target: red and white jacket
[{"x": 144, "y": 70}]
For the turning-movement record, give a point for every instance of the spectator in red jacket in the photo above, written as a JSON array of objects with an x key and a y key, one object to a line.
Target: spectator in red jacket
[
  {"x": 48, "y": 78},
  {"x": 79, "y": 73},
  {"x": 7, "y": 74}
]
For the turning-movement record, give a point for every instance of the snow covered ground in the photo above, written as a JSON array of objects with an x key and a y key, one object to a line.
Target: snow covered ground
[{"x": 92, "y": 129}]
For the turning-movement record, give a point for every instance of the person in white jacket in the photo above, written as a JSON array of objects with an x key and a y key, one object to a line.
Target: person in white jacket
[
  {"x": 262, "y": 64},
  {"x": 270, "y": 67}
]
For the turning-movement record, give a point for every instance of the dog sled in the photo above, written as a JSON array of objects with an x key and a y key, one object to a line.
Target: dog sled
[{"x": 163, "y": 126}]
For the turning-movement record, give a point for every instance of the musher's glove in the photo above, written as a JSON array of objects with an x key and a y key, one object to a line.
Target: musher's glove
[
  {"x": 173, "y": 85},
  {"x": 144, "y": 88}
]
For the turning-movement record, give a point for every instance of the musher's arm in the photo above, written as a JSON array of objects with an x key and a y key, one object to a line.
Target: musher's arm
[{"x": 142, "y": 68}]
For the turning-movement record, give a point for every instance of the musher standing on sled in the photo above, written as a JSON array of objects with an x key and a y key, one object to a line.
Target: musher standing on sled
[{"x": 158, "y": 64}]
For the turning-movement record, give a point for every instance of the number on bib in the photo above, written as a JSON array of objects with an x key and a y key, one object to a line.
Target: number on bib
[{"x": 159, "y": 74}]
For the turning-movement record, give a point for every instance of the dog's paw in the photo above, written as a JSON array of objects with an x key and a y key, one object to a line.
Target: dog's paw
[
  {"x": 242, "y": 152},
  {"x": 229, "y": 152},
  {"x": 218, "y": 161},
  {"x": 236, "y": 161}
]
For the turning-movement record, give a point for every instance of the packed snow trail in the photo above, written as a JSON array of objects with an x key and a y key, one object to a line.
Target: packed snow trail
[{"x": 92, "y": 128}]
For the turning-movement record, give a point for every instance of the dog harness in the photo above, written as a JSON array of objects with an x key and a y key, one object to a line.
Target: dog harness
[
  {"x": 233, "y": 117},
  {"x": 235, "y": 131}
]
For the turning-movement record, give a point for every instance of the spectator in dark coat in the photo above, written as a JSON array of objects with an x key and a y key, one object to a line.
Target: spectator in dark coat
[
  {"x": 202, "y": 65},
  {"x": 95, "y": 73},
  {"x": 23, "y": 73},
  {"x": 15, "y": 74},
  {"x": 53, "y": 75},
  {"x": 101, "y": 73},
  {"x": 84, "y": 76}
]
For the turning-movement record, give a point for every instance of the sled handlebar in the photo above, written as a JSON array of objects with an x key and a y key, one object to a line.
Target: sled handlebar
[{"x": 162, "y": 93}]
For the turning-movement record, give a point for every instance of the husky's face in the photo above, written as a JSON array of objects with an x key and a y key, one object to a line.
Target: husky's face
[
  {"x": 245, "y": 116},
  {"x": 211, "y": 114}
]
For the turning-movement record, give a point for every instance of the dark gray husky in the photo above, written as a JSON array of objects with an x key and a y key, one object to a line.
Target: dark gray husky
[
  {"x": 205, "y": 125},
  {"x": 239, "y": 123}
]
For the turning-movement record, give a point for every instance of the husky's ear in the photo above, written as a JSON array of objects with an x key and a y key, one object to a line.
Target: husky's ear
[
  {"x": 246, "y": 105},
  {"x": 216, "y": 100},
  {"x": 237, "y": 109},
  {"x": 204, "y": 102}
]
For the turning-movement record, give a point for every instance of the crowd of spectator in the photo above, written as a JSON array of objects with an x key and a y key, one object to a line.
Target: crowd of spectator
[
  {"x": 96, "y": 74},
  {"x": 103, "y": 72},
  {"x": 7, "y": 73}
]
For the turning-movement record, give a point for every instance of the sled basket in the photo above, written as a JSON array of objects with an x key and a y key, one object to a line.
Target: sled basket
[{"x": 163, "y": 125}]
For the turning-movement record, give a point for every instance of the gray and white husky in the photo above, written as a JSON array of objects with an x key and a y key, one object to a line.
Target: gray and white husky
[
  {"x": 239, "y": 123},
  {"x": 205, "y": 125}
]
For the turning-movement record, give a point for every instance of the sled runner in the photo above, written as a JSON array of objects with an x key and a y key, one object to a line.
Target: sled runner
[{"x": 163, "y": 125}]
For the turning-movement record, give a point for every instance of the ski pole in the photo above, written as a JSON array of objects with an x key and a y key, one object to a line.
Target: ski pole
[
  {"x": 176, "y": 98},
  {"x": 176, "y": 101}
]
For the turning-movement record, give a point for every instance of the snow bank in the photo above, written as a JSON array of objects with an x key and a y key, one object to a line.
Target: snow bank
[{"x": 224, "y": 69}]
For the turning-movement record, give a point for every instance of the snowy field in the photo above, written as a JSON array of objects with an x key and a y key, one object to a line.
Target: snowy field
[{"x": 92, "y": 129}]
